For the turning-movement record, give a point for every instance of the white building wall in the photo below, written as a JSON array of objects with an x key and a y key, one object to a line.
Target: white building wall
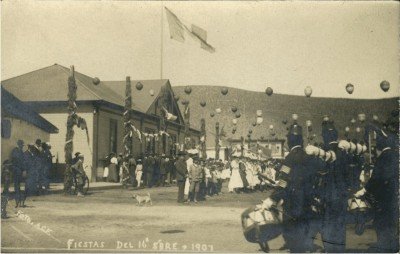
[{"x": 21, "y": 130}]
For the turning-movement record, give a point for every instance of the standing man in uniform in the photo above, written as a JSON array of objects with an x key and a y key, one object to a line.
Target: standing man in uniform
[
  {"x": 383, "y": 190},
  {"x": 291, "y": 189},
  {"x": 17, "y": 160},
  {"x": 334, "y": 221},
  {"x": 181, "y": 174},
  {"x": 150, "y": 170}
]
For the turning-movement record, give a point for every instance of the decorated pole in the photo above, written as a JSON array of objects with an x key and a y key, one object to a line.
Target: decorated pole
[
  {"x": 128, "y": 137},
  {"x": 203, "y": 138},
  {"x": 72, "y": 120},
  {"x": 217, "y": 144}
]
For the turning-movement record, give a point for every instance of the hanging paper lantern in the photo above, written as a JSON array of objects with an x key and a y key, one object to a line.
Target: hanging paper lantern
[
  {"x": 203, "y": 104},
  {"x": 151, "y": 92},
  {"x": 250, "y": 131},
  {"x": 234, "y": 109},
  {"x": 385, "y": 85},
  {"x": 234, "y": 121},
  {"x": 325, "y": 118},
  {"x": 254, "y": 124},
  {"x": 218, "y": 110},
  {"x": 233, "y": 131},
  {"x": 361, "y": 117},
  {"x": 271, "y": 127},
  {"x": 248, "y": 135},
  {"x": 308, "y": 123},
  {"x": 262, "y": 137},
  {"x": 188, "y": 90},
  {"x": 212, "y": 114},
  {"x": 347, "y": 129},
  {"x": 349, "y": 88},
  {"x": 284, "y": 122},
  {"x": 176, "y": 97},
  {"x": 259, "y": 120},
  {"x": 237, "y": 114},
  {"x": 269, "y": 91},
  {"x": 273, "y": 134},
  {"x": 308, "y": 91},
  {"x": 375, "y": 117},
  {"x": 224, "y": 91},
  {"x": 358, "y": 129},
  {"x": 295, "y": 117},
  {"x": 139, "y": 86},
  {"x": 96, "y": 81},
  {"x": 234, "y": 128},
  {"x": 259, "y": 113},
  {"x": 353, "y": 121}
]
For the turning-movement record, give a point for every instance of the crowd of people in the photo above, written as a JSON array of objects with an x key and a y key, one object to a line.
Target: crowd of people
[{"x": 28, "y": 167}]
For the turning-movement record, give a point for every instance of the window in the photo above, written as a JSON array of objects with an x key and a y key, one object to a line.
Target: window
[{"x": 113, "y": 135}]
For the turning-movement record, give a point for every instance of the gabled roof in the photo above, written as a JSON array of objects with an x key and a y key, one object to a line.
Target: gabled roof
[
  {"x": 51, "y": 84},
  {"x": 12, "y": 106},
  {"x": 141, "y": 100}
]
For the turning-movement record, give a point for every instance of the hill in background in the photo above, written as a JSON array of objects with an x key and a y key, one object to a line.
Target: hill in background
[{"x": 275, "y": 109}]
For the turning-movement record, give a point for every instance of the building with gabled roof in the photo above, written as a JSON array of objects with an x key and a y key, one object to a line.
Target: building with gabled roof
[
  {"x": 20, "y": 122},
  {"x": 101, "y": 104}
]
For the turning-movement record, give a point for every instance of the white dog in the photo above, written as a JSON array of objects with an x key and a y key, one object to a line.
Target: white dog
[{"x": 143, "y": 199}]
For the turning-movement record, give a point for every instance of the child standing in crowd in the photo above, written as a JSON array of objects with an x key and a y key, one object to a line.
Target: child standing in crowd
[{"x": 139, "y": 172}]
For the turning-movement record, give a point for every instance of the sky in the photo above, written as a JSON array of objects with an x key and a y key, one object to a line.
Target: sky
[{"x": 284, "y": 45}]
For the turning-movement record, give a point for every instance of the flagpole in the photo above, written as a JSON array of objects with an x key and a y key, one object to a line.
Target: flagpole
[{"x": 162, "y": 40}]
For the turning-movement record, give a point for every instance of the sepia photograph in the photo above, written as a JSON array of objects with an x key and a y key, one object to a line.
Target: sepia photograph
[{"x": 200, "y": 126}]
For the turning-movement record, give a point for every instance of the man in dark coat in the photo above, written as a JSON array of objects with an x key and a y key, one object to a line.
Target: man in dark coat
[
  {"x": 334, "y": 222},
  {"x": 132, "y": 168},
  {"x": 150, "y": 171},
  {"x": 18, "y": 166},
  {"x": 383, "y": 190},
  {"x": 181, "y": 174},
  {"x": 163, "y": 170},
  {"x": 291, "y": 181}
]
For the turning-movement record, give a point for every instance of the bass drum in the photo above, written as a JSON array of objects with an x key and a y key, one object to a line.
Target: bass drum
[{"x": 261, "y": 226}]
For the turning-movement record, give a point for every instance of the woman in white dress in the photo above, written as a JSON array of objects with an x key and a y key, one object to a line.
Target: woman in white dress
[{"x": 235, "y": 180}]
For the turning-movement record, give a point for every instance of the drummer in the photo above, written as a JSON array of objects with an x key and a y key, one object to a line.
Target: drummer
[{"x": 291, "y": 189}]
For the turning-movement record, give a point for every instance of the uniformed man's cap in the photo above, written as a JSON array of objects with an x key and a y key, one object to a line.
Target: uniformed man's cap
[
  {"x": 295, "y": 129},
  {"x": 81, "y": 156},
  {"x": 38, "y": 142},
  {"x": 20, "y": 142},
  {"x": 77, "y": 154}
]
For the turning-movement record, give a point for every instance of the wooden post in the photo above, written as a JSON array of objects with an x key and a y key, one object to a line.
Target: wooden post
[
  {"x": 217, "y": 145},
  {"x": 242, "y": 146},
  {"x": 203, "y": 134},
  {"x": 187, "y": 126}
]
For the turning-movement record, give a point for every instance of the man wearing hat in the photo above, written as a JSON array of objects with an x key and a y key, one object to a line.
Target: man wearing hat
[
  {"x": 79, "y": 174},
  {"x": 334, "y": 227},
  {"x": 163, "y": 170},
  {"x": 47, "y": 164},
  {"x": 383, "y": 191},
  {"x": 291, "y": 182},
  {"x": 181, "y": 174},
  {"x": 195, "y": 177},
  {"x": 17, "y": 162}
]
